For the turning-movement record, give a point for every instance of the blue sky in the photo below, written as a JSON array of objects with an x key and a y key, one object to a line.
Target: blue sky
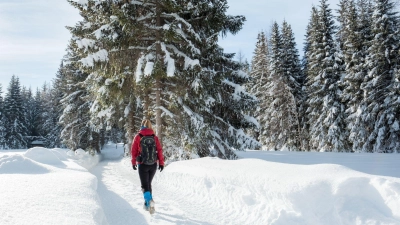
[{"x": 33, "y": 36}]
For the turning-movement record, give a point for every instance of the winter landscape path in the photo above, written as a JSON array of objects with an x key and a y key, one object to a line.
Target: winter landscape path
[
  {"x": 42, "y": 186},
  {"x": 122, "y": 200},
  {"x": 255, "y": 191}
]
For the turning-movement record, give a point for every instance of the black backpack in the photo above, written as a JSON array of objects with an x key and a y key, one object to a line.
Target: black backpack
[{"x": 148, "y": 155}]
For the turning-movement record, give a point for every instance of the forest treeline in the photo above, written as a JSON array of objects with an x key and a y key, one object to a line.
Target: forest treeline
[
  {"x": 344, "y": 95},
  {"x": 129, "y": 60}
]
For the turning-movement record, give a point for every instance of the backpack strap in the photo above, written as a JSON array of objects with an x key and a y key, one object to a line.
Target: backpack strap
[{"x": 141, "y": 135}]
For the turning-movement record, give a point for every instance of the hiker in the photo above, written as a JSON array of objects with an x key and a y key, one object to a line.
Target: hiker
[{"x": 146, "y": 151}]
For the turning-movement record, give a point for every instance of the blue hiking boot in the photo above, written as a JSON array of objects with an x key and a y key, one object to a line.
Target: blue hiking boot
[{"x": 148, "y": 202}]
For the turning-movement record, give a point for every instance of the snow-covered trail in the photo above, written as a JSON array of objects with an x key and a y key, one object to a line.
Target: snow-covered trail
[
  {"x": 119, "y": 198},
  {"x": 59, "y": 186},
  {"x": 247, "y": 191},
  {"x": 122, "y": 200}
]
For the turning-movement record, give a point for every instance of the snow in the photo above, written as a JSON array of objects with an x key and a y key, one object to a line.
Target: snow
[
  {"x": 101, "y": 55},
  {"x": 59, "y": 186},
  {"x": 85, "y": 43},
  {"x": 169, "y": 61},
  {"x": 138, "y": 72},
  {"x": 148, "y": 69},
  {"x": 166, "y": 111},
  {"x": 239, "y": 90},
  {"x": 42, "y": 186}
]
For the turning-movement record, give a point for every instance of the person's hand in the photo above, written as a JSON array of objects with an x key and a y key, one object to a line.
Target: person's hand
[
  {"x": 161, "y": 167},
  {"x": 134, "y": 167}
]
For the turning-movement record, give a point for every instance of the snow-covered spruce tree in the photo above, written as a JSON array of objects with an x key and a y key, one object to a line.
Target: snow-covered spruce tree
[
  {"x": 325, "y": 110},
  {"x": 31, "y": 115},
  {"x": 296, "y": 80},
  {"x": 310, "y": 38},
  {"x": 391, "y": 142},
  {"x": 38, "y": 113},
  {"x": 382, "y": 61},
  {"x": 308, "y": 41},
  {"x": 28, "y": 102},
  {"x": 259, "y": 77},
  {"x": 355, "y": 36},
  {"x": 75, "y": 119},
  {"x": 164, "y": 44},
  {"x": 41, "y": 97},
  {"x": 3, "y": 130},
  {"x": 14, "y": 113},
  {"x": 281, "y": 126},
  {"x": 212, "y": 102},
  {"x": 106, "y": 44},
  {"x": 53, "y": 111}
]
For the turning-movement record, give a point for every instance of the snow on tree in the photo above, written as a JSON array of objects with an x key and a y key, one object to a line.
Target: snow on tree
[
  {"x": 391, "y": 140},
  {"x": 377, "y": 111},
  {"x": 311, "y": 38},
  {"x": 354, "y": 37},
  {"x": 152, "y": 59},
  {"x": 31, "y": 114},
  {"x": 52, "y": 112},
  {"x": 259, "y": 78},
  {"x": 213, "y": 100},
  {"x": 295, "y": 80},
  {"x": 325, "y": 110},
  {"x": 14, "y": 116},
  {"x": 3, "y": 130},
  {"x": 77, "y": 131},
  {"x": 281, "y": 116}
]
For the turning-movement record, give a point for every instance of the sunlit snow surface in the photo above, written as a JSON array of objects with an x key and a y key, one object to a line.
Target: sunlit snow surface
[{"x": 57, "y": 186}]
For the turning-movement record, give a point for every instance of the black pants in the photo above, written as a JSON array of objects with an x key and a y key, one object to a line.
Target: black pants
[{"x": 146, "y": 174}]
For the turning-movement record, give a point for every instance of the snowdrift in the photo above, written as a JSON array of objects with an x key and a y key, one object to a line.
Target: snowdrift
[
  {"x": 253, "y": 191},
  {"x": 57, "y": 186},
  {"x": 42, "y": 186}
]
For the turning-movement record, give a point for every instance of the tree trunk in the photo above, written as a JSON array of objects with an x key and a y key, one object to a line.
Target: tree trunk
[
  {"x": 130, "y": 130},
  {"x": 158, "y": 76},
  {"x": 158, "y": 110}
]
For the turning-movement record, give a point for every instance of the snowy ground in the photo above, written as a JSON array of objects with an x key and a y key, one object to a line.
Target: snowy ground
[{"x": 42, "y": 186}]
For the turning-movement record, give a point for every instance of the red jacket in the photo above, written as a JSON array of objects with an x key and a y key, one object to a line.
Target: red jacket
[{"x": 135, "y": 150}]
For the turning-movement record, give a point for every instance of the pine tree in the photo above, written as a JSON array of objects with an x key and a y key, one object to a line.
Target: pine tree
[
  {"x": 53, "y": 110},
  {"x": 260, "y": 74},
  {"x": 310, "y": 42},
  {"x": 3, "y": 131},
  {"x": 281, "y": 127},
  {"x": 45, "y": 97},
  {"x": 295, "y": 80},
  {"x": 77, "y": 131},
  {"x": 105, "y": 47},
  {"x": 14, "y": 113},
  {"x": 354, "y": 38},
  {"x": 376, "y": 111},
  {"x": 172, "y": 54},
  {"x": 37, "y": 114},
  {"x": 28, "y": 105},
  {"x": 30, "y": 115},
  {"x": 391, "y": 141},
  {"x": 326, "y": 112}
]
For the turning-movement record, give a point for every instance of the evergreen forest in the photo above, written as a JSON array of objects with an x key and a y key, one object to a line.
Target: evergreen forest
[{"x": 160, "y": 60}]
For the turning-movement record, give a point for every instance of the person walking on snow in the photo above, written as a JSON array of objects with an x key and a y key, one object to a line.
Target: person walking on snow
[{"x": 146, "y": 151}]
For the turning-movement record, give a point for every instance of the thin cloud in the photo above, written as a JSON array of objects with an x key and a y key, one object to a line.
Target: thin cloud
[{"x": 33, "y": 39}]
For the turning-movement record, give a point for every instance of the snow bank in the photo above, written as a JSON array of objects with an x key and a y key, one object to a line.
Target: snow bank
[
  {"x": 54, "y": 186},
  {"x": 84, "y": 159},
  {"x": 44, "y": 156},
  {"x": 254, "y": 191},
  {"x": 43, "y": 186},
  {"x": 371, "y": 163},
  {"x": 19, "y": 164}
]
